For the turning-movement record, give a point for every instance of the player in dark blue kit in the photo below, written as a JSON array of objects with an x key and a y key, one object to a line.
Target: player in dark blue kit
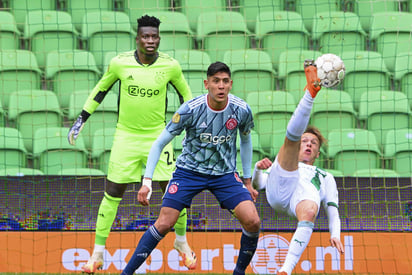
[{"x": 207, "y": 162}]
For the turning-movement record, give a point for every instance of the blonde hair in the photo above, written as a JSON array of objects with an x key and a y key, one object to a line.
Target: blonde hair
[{"x": 315, "y": 131}]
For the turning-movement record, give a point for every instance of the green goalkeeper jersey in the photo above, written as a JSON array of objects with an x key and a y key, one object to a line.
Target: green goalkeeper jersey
[{"x": 142, "y": 96}]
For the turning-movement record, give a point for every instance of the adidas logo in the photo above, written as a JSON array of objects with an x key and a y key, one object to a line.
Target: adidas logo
[
  {"x": 203, "y": 125},
  {"x": 130, "y": 77}
]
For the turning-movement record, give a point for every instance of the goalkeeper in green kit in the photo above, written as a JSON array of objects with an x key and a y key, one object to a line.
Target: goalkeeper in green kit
[{"x": 144, "y": 75}]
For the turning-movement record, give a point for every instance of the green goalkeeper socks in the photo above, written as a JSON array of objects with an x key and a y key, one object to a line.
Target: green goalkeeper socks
[
  {"x": 180, "y": 226},
  {"x": 105, "y": 218}
]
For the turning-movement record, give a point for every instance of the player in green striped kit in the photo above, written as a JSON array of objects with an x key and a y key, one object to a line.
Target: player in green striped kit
[{"x": 144, "y": 75}]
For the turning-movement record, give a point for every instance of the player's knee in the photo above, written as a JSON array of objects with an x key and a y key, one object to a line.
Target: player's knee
[
  {"x": 252, "y": 224},
  {"x": 310, "y": 214}
]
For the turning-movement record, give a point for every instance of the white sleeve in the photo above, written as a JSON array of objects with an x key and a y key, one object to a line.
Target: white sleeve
[
  {"x": 260, "y": 178},
  {"x": 334, "y": 222}
]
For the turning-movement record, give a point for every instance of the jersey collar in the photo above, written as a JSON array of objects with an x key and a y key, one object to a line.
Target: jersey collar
[{"x": 136, "y": 56}]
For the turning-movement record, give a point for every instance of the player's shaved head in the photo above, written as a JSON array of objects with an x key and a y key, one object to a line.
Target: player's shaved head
[{"x": 148, "y": 21}]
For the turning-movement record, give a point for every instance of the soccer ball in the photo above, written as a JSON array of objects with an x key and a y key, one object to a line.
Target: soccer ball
[{"x": 331, "y": 70}]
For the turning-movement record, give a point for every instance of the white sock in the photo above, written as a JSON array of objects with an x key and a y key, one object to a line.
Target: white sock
[
  {"x": 181, "y": 239},
  {"x": 300, "y": 118},
  {"x": 297, "y": 245},
  {"x": 98, "y": 248}
]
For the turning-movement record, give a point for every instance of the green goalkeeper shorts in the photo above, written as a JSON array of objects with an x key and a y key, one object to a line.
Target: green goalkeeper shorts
[{"x": 129, "y": 155}]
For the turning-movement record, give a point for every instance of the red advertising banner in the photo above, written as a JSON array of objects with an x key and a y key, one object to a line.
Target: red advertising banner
[{"x": 66, "y": 252}]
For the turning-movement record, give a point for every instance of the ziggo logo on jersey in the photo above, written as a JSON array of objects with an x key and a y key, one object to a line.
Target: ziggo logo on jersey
[
  {"x": 269, "y": 257},
  {"x": 208, "y": 138}
]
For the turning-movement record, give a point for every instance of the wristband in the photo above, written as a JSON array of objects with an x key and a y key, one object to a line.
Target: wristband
[{"x": 148, "y": 182}]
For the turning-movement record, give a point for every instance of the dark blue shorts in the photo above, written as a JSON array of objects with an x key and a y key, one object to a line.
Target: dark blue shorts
[{"x": 184, "y": 185}]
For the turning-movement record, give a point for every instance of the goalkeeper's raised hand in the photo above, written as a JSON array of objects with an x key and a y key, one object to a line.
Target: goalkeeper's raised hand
[{"x": 76, "y": 129}]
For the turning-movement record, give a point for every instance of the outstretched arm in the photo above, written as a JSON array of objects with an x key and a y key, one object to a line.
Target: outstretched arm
[
  {"x": 334, "y": 228},
  {"x": 146, "y": 190}
]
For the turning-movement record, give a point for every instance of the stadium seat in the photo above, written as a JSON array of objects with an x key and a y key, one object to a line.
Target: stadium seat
[
  {"x": 335, "y": 173},
  {"x": 375, "y": 173},
  {"x": 308, "y": 8},
  {"x": 48, "y": 30},
  {"x": 101, "y": 148},
  {"x": 335, "y": 32},
  {"x": 174, "y": 30},
  {"x": 135, "y": 9},
  {"x": 18, "y": 71},
  {"x": 390, "y": 33},
  {"x": 3, "y": 115},
  {"x": 272, "y": 111},
  {"x": 365, "y": 70},
  {"x": 13, "y": 153},
  {"x": 218, "y": 32},
  {"x": 52, "y": 152},
  {"x": 398, "y": 151},
  {"x": 30, "y": 110},
  {"x": 353, "y": 149},
  {"x": 80, "y": 171},
  {"x": 107, "y": 31},
  {"x": 20, "y": 8},
  {"x": 193, "y": 9},
  {"x": 77, "y": 9},
  {"x": 250, "y": 9},
  {"x": 257, "y": 155},
  {"x": 279, "y": 31},
  {"x": 252, "y": 71},
  {"x": 69, "y": 71},
  {"x": 291, "y": 72},
  {"x": 105, "y": 115},
  {"x": 9, "y": 34},
  {"x": 20, "y": 172},
  {"x": 403, "y": 74},
  {"x": 333, "y": 109},
  {"x": 194, "y": 65},
  {"x": 366, "y": 8},
  {"x": 383, "y": 111}
]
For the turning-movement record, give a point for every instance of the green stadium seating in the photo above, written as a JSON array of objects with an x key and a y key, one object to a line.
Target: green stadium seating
[
  {"x": 173, "y": 103},
  {"x": 333, "y": 109},
  {"x": 107, "y": 31},
  {"x": 30, "y": 110},
  {"x": 9, "y": 34},
  {"x": 193, "y": 9},
  {"x": 78, "y": 8},
  {"x": 308, "y": 8},
  {"x": 279, "y": 31},
  {"x": 365, "y": 70},
  {"x": 13, "y": 153},
  {"x": 69, "y": 71},
  {"x": 80, "y": 171},
  {"x": 375, "y": 173},
  {"x": 108, "y": 56},
  {"x": 105, "y": 115},
  {"x": 335, "y": 173},
  {"x": 3, "y": 115},
  {"x": 403, "y": 74},
  {"x": 252, "y": 71},
  {"x": 48, "y": 30},
  {"x": 390, "y": 33},
  {"x": 271, "y": 111},
  {"x": 174, "y": 30},
  {"x": 335, "y": 32},
  {"x": 101, "y": 148},
  {"x": 250, "y": 9},
  {"x": 218, "y": 32},
  {"x": 135, "y": 9},
  {"x": 52, "y": 151},
  {"x": 194, "y": 65},
  {"x": 18, "y": 71},
  {"x": 398, "y": 151},
  {"x": 20, "y": 8},
  {"x": 291, "y": 72},
  {"x": 353, "y": 149},
  {"x": 20, "y": 172},
  {"x": 366, "y": 8},
  {"x": 383, "y": 111}
]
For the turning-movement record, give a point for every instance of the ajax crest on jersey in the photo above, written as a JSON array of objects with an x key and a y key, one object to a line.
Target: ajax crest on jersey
[{"x": 331, "y": 70}]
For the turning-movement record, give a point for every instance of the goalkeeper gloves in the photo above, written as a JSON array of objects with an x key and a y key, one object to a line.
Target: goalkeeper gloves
[
  {"x": 76, "y": 129},
  {"x": 312, "y": 80}
]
